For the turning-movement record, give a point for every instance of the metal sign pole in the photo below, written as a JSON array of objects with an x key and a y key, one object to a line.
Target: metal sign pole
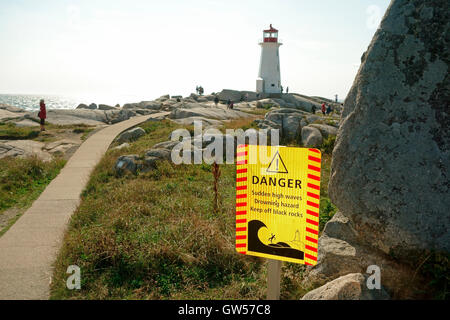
[{"x": 273, "y": 279}]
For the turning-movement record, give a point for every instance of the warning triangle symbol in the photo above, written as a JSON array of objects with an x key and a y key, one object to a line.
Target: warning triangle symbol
[{"x": 277, "y": 165}]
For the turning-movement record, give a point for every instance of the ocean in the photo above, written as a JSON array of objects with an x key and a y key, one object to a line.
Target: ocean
[{"x": 30, "y": 102}]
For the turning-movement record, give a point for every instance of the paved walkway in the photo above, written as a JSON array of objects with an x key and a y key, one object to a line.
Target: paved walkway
[{"x": 30, "y": 246}]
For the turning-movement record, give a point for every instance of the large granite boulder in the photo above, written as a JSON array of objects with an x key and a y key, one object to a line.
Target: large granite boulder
[
  {"x": 390, "y": 170},
  {"x": 390, "y": 165}
]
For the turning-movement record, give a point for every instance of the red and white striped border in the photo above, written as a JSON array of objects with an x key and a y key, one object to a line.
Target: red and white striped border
[
  {"x": 241, "y": 198},
  {"x": 312, "y": 206}
]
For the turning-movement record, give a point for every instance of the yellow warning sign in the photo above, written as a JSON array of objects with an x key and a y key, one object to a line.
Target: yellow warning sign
[{"x": 277, "y": 202}]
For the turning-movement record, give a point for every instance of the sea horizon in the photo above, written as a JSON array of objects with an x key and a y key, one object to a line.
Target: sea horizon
[{"x": 30, "y": 101}]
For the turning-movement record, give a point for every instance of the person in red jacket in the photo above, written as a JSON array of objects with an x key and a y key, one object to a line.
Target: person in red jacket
[
  {"x": 42, "y": 114},
  {"x": 323, "y": 108}
]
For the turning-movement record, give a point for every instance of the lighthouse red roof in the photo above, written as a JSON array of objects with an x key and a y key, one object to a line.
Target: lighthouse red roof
[{"x": 272, "y": 29}]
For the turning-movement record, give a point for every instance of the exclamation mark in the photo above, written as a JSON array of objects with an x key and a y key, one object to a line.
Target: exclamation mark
[{"x": 277, "y": 164}]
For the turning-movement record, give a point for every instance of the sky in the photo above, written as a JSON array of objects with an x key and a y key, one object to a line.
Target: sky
[{"x": 149, "y": 48}]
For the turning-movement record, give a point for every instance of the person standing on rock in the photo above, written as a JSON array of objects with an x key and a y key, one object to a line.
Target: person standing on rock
[
  {"x": 42, "y": 114},
  {"x": 313, "y": 109},
  {"x": 287, "y": 90},
  {"x": 231, "y": 104},
  {"x": 329, "y": 109},
  {"x": 228, "y": 103},
  {"x": 216, "y": 100},
  {"x": 323, "y": 108}
]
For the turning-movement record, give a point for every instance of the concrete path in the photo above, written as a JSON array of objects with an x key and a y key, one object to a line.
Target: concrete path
[{"x": 29, "y": 248}]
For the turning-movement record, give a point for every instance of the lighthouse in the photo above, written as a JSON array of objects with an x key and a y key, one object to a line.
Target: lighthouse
[{"x": 269, "y": 80}]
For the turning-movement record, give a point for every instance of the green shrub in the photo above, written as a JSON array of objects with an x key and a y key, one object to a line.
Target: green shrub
[
  {"x": 327, "y": 211},
  {"x": 328, "y": 144}
]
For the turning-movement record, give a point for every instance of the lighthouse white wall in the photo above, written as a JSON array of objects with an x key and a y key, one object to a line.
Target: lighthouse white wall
[{"x": 269, "y": 68}]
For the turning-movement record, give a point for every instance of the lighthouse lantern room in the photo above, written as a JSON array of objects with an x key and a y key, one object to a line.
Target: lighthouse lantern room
[{"x": 269, "y": 80}]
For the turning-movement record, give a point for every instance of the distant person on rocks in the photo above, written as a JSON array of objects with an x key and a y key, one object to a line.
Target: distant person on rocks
[
  {"x": 313, "y": 109},
  {"x": 323, "y": 108},
  {"x": 282, "y": 89},
  {"x": 196, "y": 89},
  {"x": 42, "y": 114},
  {"x": 228, "y": 103},
  {"x": 231, "y": 104},
  {"x": 216, "y": 100},
  {"x": 287, "y": 90},
  {"x": 329, "y": 109},
  {"x": 200, "y": 90}
]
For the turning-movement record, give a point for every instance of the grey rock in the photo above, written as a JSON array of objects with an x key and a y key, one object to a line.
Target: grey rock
[
  {"x": 10, "y": 108},
  {"x": 73, "y": 116},
  {"x": 312, "y": 118},
  {"x": 115, "y": 116},
  {"x": 149, "y": 163},
  {"x": 205, "y": 122},
  {"x": 131, "y": 135},
  {"x": 390, "y": 167},
  {"x": 233, "y": 95},
  {"x": 158, "y": 153},
  {"x": 325, "y": 130},
  {"x": 131, "y": 106},
  {"x": 106, "y": 107},
  {"x": 341, "y": 252},
  {"x": 311, "y": 137},
  {"x": 122, "y": 146},
  {"x": 127, "y": 163},
  {"x": 300, "y": 102},
  {"x": 166, "y": 145},
  {"x": 209, "y": 113},
  {"x": 349, "y": 287},
  {"x": 291, "y": 126}
]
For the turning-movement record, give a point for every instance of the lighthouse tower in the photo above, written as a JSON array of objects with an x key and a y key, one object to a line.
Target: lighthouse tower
[{"x": 269, "y": 80}]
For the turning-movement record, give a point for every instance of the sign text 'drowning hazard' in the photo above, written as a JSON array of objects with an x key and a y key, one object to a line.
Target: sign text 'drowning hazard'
[{"x": 277, "y": 204}]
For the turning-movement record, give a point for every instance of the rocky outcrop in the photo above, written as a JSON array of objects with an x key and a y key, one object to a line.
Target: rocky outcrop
[
  {"x": 92, "y": 106},
  {"x": 23, "y": 149},
  {"x": 390, "y": 166},
  {"x": 350, "y": 287},
  {"x": 209, "y": 113},
  {"x": 131, "y": 135},
  {"x": 395, "y": 136}
]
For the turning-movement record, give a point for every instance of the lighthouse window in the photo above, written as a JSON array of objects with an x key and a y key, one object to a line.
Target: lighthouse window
[{"x": 273, "y": 85}]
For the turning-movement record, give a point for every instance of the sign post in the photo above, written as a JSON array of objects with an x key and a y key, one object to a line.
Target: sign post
[
  {"x": 273, "y": 279},
  {"x": 277, "y": 206}
]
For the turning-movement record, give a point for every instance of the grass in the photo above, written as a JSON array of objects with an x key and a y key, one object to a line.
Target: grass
[
  {"x": 9, "y": 131},
  {"x": 23, "y": 180},
  {"x": 243, "y": 123},
  {"x": 156, "y": 235}
]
